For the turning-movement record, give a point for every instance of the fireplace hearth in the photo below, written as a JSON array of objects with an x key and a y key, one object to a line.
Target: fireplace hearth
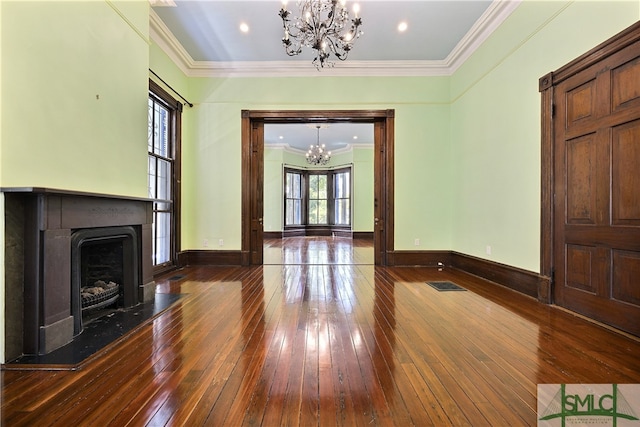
[{"x": 61, "y": 246}]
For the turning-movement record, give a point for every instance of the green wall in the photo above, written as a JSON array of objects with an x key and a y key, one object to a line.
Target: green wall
[
  {"x": 359, "y": 158},
  {"x": 467, "y": 146},
  {"x": 73, "y": 99},
  {"x": 495, "y": 132},
  {"x": 213, "y": 154},
  {"x": 74, "y": 92}
]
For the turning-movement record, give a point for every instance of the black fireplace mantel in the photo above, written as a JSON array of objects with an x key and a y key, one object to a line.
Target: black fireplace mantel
[{"x": 39, "y": 224}]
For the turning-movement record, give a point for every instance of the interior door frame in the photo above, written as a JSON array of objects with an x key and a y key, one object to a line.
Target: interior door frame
[
  {"x": 546, "y": 86},
  {"x": 383, "y": 121}
]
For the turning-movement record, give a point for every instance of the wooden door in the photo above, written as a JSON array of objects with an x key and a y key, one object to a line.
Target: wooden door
[
  {"x": 596, "y": 135},
  {"x": 257, "y": 190}
]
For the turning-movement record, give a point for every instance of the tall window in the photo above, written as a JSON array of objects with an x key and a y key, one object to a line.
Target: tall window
[
  {"x": 342, "y": 197},
  {"x": 163, "y": 148},
  {"x": 317, "y": 198},
  {"x": 293, "y": 198}
]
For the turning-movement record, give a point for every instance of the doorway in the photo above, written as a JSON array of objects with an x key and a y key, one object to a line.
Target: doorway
[{"x": 253, "y": 169}]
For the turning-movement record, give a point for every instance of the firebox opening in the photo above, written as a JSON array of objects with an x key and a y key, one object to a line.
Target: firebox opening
[
  {"x": 101, "y": 278},
  {"x": 104, "y": 273}
]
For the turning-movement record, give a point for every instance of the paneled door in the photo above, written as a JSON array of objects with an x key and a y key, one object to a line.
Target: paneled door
[{"x": 597, "y": 190}]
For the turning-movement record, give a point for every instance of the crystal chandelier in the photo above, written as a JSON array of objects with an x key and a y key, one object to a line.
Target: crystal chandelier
[
  {"x": 317, "y": 154},
  {"x": 323, "y": 25}
]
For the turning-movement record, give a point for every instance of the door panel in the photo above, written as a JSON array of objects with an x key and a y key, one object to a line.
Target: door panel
[
  {"x": 626, "y": 174},
  {"x": 597, "y": 191}
]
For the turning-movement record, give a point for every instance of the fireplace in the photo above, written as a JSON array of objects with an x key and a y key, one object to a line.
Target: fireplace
[
  {"x": 104, "y": 267},
  {"x": 58, "y": 244}
]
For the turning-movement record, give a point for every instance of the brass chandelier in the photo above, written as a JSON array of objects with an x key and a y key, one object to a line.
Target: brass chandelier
[
  {"x": 317, "y": 154},
  {"x": 323, "y": 25}
]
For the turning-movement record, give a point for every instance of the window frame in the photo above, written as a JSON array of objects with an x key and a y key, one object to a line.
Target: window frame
[
  {"x": 317, "y": 229},
  {"x": 158, "y": 94}
]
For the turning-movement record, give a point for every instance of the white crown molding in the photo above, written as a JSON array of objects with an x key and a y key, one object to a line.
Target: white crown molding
[
  {"x": 304, "y": 69},
  {"x": 289, "y": 149},
  {"x": 491, "y": 19},
  {"x": 164, "y": 38}
]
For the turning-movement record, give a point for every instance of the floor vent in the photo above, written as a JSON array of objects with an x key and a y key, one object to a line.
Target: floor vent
[
  {"x": 178, "y": 277},
  {"x": 445, "y": 286}
]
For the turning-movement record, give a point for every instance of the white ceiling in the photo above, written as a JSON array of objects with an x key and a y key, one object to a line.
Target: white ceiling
[
  {"x": 336, "y": 136},
  {"x": 203, "y": 38}
]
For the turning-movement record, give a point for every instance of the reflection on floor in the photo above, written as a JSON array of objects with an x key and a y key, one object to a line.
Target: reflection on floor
[{"x": 318, "y": 250}]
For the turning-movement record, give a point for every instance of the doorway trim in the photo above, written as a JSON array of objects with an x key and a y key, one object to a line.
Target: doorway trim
[{"x": 383, "y": 121}]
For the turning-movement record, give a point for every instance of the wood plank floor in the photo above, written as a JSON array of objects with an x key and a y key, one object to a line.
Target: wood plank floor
[{"x": 327, "y": 345}]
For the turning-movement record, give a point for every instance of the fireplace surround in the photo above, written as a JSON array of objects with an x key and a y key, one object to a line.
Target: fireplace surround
[{"x": 45, "y": 230}]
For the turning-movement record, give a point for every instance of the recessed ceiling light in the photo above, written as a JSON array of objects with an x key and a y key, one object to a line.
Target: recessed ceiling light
[
  {"x": 244, "y": 27},
  {"x": 402, "y": 27},
  {"x": 355, "y": 137},
  {"x": 281, "y": 137}
]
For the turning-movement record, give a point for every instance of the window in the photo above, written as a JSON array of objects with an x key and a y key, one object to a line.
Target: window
[
  {"x": 318, "y": 214},
  {"x": 163, "y": 150},
  {"x": 317, "y": 198},
  {"x": 293, "y": 198},
  {"x": 342, "y": 197}
]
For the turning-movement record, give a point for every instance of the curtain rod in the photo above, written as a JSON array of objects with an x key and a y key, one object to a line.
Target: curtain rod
[{"x": 174, "y": 91}]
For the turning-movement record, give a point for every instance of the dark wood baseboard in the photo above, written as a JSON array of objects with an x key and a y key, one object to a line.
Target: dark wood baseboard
[
  {"x": 199, "y": 257},
  {"x": 272, "y": 234},
  {"x": 364, "y": 235},
  {"x": 523, "y": 281},
  {"x": 419, "y": 258}
]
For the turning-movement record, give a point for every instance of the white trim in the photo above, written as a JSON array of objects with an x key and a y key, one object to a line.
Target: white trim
[
  {"x": 497, "y": 12},
  {"x": 491, "y": 19},
  {"x": 289, "y": 149}
]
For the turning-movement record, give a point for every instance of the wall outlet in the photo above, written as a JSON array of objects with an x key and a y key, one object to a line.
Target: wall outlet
[
  {"x": 416, "y": 242},
  {"x": 488, "y": 250},
  {"x": 205, "y": 243},
  {"x": 221, "y": 242}
]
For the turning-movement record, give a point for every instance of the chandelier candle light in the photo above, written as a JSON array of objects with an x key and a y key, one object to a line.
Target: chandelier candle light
[
  {"x": 317, "y": 154},
  {"x": 323, "y": 25}
]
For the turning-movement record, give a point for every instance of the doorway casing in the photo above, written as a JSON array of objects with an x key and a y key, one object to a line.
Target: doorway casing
[{"x": 253, "y": 165}]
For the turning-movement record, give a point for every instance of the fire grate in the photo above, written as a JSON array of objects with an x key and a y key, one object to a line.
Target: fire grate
[
  {"x": 99, "y": 295},
  {"x": 445, "y": 286}
]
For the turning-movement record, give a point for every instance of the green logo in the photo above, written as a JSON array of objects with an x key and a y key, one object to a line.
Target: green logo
[{"x": 578, "y": 406}]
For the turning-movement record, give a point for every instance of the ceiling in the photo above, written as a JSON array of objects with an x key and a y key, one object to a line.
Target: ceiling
[
  {"x": 336, "y": 136},
  {"x": 204, "y": 39}
]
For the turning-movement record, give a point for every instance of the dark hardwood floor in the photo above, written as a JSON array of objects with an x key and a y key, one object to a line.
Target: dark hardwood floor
[{"x": 327, "y": 344}]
